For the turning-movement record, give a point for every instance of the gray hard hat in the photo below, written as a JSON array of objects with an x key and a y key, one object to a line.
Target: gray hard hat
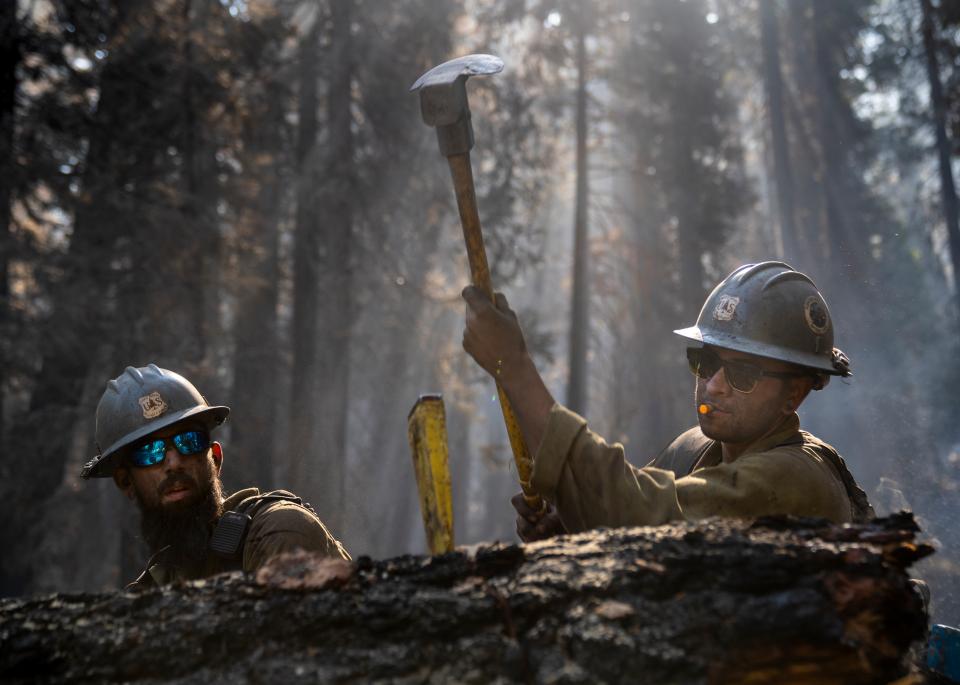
[
  {"x": 138, "y": 402},
  {"x": 770, "y": 310}
]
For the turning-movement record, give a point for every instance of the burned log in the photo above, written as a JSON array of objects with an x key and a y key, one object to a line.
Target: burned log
[{"x": 782, "y": 601}]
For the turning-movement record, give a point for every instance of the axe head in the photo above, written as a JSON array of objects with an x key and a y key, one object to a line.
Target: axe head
[{"x": 443, "y": 99}]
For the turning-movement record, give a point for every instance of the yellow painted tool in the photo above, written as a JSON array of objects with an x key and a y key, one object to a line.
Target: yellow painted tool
[{"x": 427, "y": 432}]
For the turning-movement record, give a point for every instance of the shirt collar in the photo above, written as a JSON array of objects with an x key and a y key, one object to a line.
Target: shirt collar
[
  {"x": 788, "y": 431},
  {"x": 237, "y": 497}
]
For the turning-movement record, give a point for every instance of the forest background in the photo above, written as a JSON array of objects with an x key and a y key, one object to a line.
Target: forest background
[{"x": 243, "y": 191}]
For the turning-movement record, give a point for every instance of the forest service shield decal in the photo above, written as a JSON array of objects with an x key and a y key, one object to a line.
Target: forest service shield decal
[
  {"x": 152, "y": 405},
  {"x": 725, "y": 308}
]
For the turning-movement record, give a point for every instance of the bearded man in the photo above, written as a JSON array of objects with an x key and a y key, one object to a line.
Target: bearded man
[{"x": 153, "y": 438}]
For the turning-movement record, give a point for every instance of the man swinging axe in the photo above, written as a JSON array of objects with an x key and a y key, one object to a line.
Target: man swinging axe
[{"x": 762, "y": 342}]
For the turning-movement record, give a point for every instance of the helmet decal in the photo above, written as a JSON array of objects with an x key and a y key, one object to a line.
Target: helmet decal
[
  {"x": 153, "y": 405},
  {"x": 725, "y": 308},
  {"x": 816, "y": 315}
]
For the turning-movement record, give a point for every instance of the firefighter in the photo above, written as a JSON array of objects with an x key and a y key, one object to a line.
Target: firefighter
[
  {"x": 153, "y": 437},
  {"x": 762, "y": 342}
]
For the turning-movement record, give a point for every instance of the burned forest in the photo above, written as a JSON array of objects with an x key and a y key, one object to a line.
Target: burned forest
[{"x": 409, "y": 245}]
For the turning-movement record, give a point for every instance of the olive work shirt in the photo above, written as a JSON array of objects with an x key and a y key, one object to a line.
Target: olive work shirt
[
  {"x": 276, "y": 527},
  {"x": 592, "y": 484}
]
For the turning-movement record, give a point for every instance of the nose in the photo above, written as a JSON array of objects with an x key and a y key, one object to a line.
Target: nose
[
  {"x": 172, "y": 459},
  {"x": 717, "y": 383}
]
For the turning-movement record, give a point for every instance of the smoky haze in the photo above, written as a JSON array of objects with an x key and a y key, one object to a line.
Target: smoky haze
[{"x": 244, "y": 192}]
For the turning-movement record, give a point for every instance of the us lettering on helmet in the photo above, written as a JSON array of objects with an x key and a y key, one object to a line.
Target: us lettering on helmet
[
  {"x": 152, "y": 405},
  {"x": 726, "y": 308}
]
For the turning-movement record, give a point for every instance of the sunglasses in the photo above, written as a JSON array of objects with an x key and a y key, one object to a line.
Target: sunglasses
[
  {"x": 154, "y": 451},
  {"x": 742, "y": 376}
]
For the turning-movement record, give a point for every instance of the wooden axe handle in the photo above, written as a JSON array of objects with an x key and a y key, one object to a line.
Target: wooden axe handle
[{"x": 462, "y": 174}]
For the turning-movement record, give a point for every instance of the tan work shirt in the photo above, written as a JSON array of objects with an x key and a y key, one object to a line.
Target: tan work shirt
[
  {"x": 283, "y": 526},
  {"x": 276, "y": 527},
  {"x": 592, "y": 484}
]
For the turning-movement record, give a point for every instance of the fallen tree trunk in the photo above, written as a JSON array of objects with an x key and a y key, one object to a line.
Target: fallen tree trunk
[{"x": 776, "y": 601}]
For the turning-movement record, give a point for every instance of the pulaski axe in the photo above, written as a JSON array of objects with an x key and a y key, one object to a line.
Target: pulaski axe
[
  {"x": 427, "y": 432},
  {"x": 443, "y": 104}
]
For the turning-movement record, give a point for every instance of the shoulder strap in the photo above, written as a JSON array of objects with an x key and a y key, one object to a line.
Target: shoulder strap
[
  {"x": 697, "y": 456},
  {"x": 229, "y": 535},
  {"x": 252, "y": 505},
  {"x": 860, "y": 507},
  {"x": 147, "y": 579},
  {"x": 683, "y": 454}
]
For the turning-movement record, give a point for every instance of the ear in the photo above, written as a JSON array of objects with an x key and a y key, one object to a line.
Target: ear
[
  {"x": 797, "y": 392},
  {"x": 121, "y": 478},
  {"x": 217, "y": 450}
]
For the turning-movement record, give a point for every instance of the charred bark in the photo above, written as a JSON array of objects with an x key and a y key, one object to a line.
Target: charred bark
[{"x": 779, "y": 601}]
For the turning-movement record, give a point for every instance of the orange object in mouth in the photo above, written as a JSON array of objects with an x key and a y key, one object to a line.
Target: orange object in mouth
[{"x": 704, "y": 409}]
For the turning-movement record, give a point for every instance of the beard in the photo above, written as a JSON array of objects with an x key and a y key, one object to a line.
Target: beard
[{"x": 184, "y": 526}]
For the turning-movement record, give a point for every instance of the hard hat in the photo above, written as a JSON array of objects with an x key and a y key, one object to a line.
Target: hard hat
[
  {"x": 770, "y": 310},
  {"x": 139, "y": 402}
]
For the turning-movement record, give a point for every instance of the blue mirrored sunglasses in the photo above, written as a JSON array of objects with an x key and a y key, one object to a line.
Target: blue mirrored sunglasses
[{"x": 154, "y": 451}]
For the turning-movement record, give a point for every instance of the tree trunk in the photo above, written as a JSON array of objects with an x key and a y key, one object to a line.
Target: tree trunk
[
  {"x": 948, "y": 191},
  {"x": 410, "y": 363},
  {"x": 305, "y": 264},
  {"x": 835, "y": 137},
  {"x": 784, "y": 601},
  {"x": 577, "y": 390},
  {"x": 832, "y": 144},
  {"x": 802, "y": 105},
  {"x": 691, "y": 233},
  {"x": 773, "y": 83},
  {"x": 199, "y": 294},
  {"x": 461, "y": 471},
  {"x": 256, "y": 361},
  {"x": 326, "y": 473},
  {"x": 683, "y": 180},
  {"x": 71, "y": 338},
  {"x": 10, "y": 59}
]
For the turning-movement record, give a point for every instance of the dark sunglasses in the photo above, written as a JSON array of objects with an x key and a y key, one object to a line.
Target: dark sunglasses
[
  {"x": 742, "y": 376},
  {"x": 154, "y": 451}
]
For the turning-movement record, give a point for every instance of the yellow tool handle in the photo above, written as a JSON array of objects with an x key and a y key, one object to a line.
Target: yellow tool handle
[
  {"x": 463, "y": 186},
  {"x": 427, "y": 433}
]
